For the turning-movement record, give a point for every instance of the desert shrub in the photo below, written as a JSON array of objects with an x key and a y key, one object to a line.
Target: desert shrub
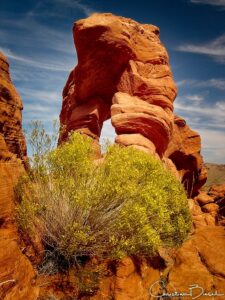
[
  {"x": 127, "y": 204},
  {"x": 40, "y": 142}
]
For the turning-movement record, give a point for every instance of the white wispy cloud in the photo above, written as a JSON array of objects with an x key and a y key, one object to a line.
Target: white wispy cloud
[
  {"x": 36, "y": 35},
  {"x": 213, "y": 111},
  {"x": 39, "y": 111},
  {"x": 60, "y": 8},
  {"x": 41, "y": 104},
  {"x": 201, "y": 113},
  {"x": 213, "y": 142},
  {"x": 183, "y": 82},
  {"x": 194, "y": 97},
  {"x": 220, "y": 3},
  {"x": 40, "y": 95},
  {"x": 209, "y": 121},
  {"x": 215, "y": 49},
  {"x": 221, "y": 106},
  {"x": 76, "y": 4},
  {"x": 216, "y": 83},
  {"x": 44, "y": 116},
  {"x": 34, "y": 63},
  {"x": 25, "y": 75},
  {"x": 38, "y": 108}
]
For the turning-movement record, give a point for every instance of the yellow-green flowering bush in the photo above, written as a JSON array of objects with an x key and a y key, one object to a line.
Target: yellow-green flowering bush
[{"x": 127, "y": 204}]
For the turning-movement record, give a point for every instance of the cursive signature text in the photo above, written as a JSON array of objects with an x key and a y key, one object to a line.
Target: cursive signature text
[{"x": 194, "y": 291}]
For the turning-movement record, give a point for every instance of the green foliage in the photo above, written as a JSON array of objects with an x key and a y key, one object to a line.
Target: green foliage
[
  {"x": 40, "y": 141},
  {"x": 127, "y": 204}
]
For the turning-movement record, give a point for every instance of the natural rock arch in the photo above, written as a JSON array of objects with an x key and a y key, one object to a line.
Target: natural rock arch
[{"x": 123, "y": 73}]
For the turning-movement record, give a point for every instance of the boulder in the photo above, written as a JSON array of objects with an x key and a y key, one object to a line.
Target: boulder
[
  {"x": 217, "y": 192},
  {"x": 212, "y": 208},
  {"x": 203, "y": 198}
]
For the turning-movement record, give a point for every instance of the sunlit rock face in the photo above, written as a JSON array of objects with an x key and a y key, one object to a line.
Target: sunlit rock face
[
  {"x": 11, "y": 135},
  {"x": 16, "y": 271},
  {"x": 123, "y": 73},
  {"x": 184, "y": 150}
]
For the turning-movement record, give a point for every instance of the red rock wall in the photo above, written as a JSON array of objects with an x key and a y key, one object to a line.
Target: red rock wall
[
  {"x": 123, "y": 73},
  {"x": 16, "y": 272},
  {"x": 11, "y": 135}
]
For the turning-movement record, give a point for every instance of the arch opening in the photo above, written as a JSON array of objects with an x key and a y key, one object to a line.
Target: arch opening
[{"x": 108, "y": 133}]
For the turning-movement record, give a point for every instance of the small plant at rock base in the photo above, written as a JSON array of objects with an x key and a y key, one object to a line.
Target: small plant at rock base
[{"x": 126, "y": 205}]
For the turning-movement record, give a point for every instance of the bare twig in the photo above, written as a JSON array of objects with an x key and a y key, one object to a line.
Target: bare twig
[{"x": 7, "y": 281}]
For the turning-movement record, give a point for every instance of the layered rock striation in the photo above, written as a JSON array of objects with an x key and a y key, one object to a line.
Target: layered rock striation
[
  {"x": 11, "y": 136},
  {"x": 16, "y": 271},
  {"x": 184, "y": 150},
  {"x": 123, "y": 73}
]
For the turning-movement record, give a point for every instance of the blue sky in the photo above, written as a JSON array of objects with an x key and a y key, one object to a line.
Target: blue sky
[{"x": 36, "y": 36}]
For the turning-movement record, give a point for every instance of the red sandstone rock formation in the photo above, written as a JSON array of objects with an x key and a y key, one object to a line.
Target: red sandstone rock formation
[
  {"x": 123, "y": 73},
  {"x": 140, "y": 114},
  {"x": 184, "y": 150},
  {"x": 196, "y": 263},
  {"x": 16, "y": 272},
  {"x": 11, "y": 135},
  {"x": 213, "y": 202}
]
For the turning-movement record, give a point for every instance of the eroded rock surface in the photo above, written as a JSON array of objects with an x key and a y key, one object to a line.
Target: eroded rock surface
[
  {"x": 11, "y": 135},
  {"x": 123, "y": 73},
  {"x": 184, "y": 150},
  {"x": 16, "y": 272},
  {"x": 213, "y": 202},
  {"x": 196, "y": 263}
]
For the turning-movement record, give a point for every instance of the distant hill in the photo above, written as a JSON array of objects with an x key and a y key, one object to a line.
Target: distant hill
[{"x": 216, "y": 174}]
